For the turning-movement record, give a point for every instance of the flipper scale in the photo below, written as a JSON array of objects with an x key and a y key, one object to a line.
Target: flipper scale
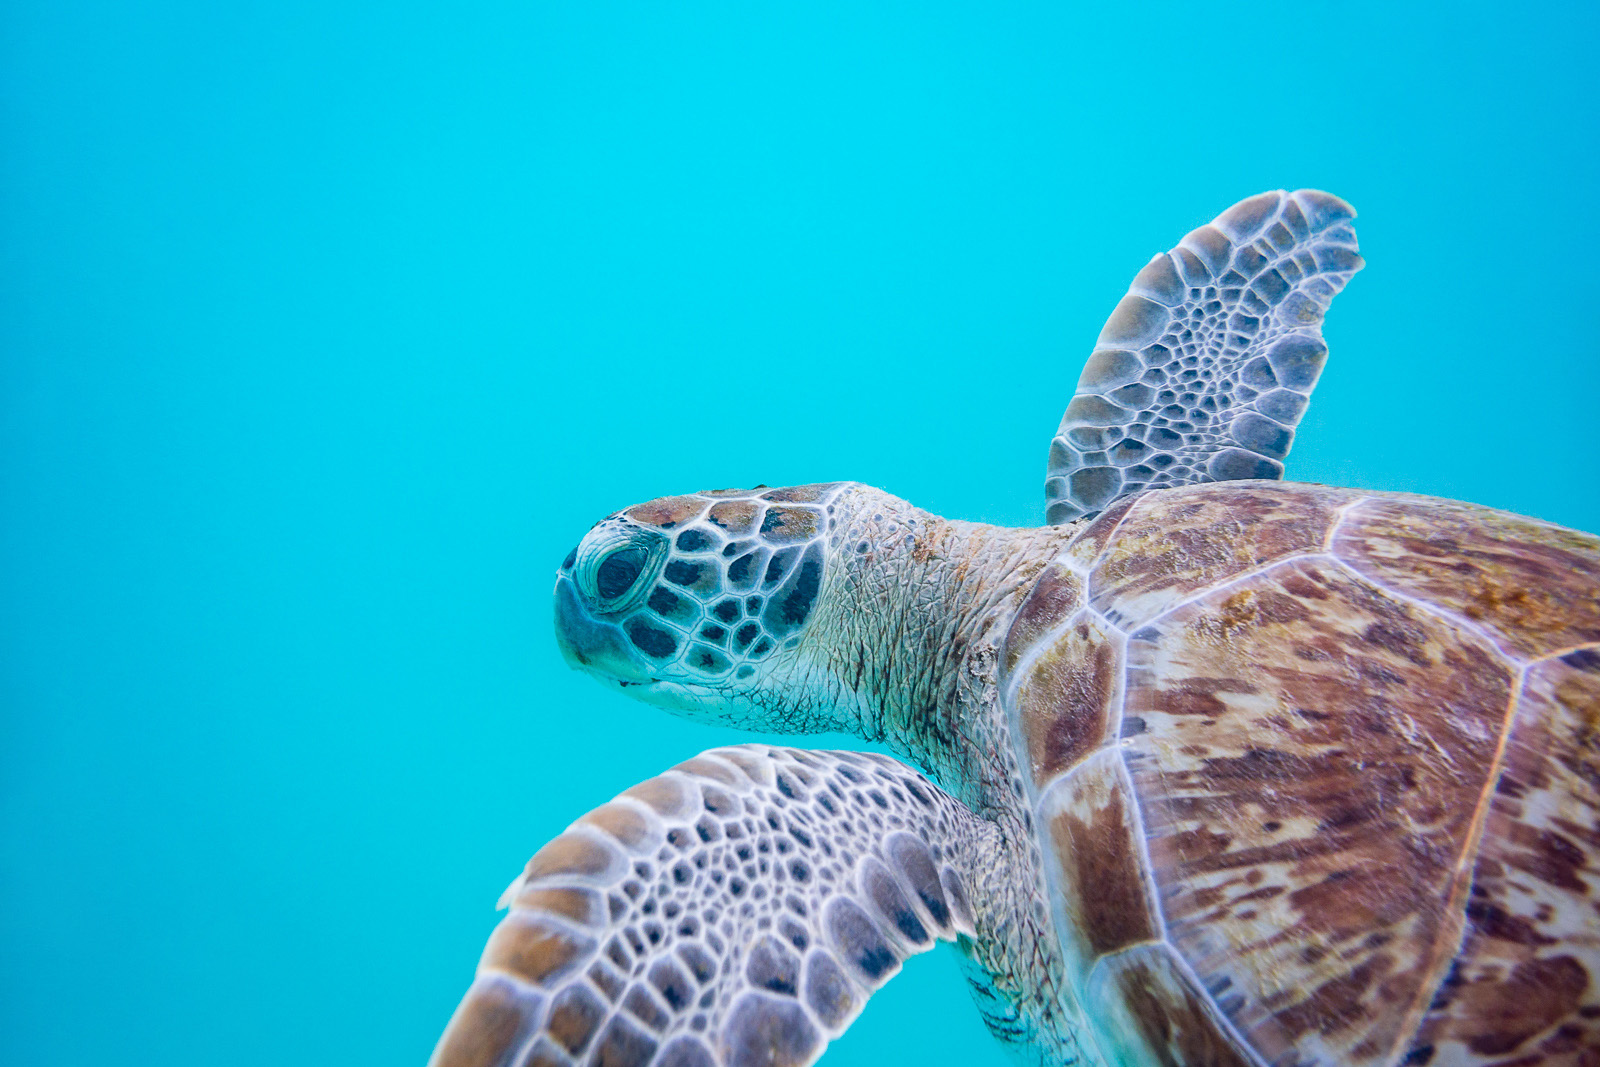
[
  {"x": 736, "y": 910},
  {"x": 1205, "y": 367}
]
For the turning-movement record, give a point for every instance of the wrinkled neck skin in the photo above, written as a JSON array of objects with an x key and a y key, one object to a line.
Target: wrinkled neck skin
[{"x": 905, "y": 648}]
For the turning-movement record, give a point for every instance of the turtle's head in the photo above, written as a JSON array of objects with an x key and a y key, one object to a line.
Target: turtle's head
[{"x": 697, "y": 602}]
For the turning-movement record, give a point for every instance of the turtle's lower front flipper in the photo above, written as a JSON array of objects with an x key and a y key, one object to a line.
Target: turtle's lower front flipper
[
  {"x": 1204, "y": 369},
  {"x": 738, "y": 909}
]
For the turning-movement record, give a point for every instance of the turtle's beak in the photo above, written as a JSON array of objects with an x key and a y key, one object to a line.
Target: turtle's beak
[
  {"x": 588, "y": 644},
  {"x": 601, "y": 650}
]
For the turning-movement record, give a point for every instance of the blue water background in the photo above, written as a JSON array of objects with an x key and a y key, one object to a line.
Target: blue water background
[{"x": 326, "y": 329}]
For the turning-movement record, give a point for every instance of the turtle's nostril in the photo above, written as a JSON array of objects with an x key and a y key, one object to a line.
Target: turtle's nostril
[
  {"x": 618, "y": 571},
  {"x": 572, "y": 557}
]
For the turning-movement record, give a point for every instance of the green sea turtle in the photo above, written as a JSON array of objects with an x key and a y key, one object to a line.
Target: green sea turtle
[{"x": 1215, "y": 769}]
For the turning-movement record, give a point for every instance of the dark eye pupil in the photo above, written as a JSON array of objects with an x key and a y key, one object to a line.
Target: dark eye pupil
[{"x": 618, "y": 572}]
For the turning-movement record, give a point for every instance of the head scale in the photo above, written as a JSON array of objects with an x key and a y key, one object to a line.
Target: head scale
[{"x": 696, "y": 598}]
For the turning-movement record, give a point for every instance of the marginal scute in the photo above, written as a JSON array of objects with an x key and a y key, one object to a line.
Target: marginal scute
[
  {"x": 1323, "y": 209},
  {"x": 718, "y": 802},
  {"x": 1535, "y": 585},
  {"x": 1194, "y": 272},
  {"x": 955, "y": 891},
  {"x": 1528, "y": 974},
  {"x": 1158, "y": 1016},
  {"x": 1095, "y": 411},
  {"x": 1282, "y": 405},
  {"x": 1313, "y": 760},
  {"x": 1065, "y": 699},
  {"x": 1095, "y": 487},
  {"x": 1302, "y": 309},
  {"x": 1297, "y": 361},
  {"x": 1261, "y": 435},
  {"x": 1055, "y": 593},
  {"x": 1091, "y": 541},
  {"x": 1337, "y": 259},
  {"x": 1092, "y": 819}
]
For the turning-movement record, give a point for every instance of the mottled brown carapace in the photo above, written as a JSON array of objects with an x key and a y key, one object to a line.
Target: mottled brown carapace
[{"x": 1322, "y": 773}]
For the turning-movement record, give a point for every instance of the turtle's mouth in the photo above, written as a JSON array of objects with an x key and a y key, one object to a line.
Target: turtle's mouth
[
  {"x": 698, "y": 702},
  {"x": 601, "y": 650},
  {"x": 590, "y": 645}
]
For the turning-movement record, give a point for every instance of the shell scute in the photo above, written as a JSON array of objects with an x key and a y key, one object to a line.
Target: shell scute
[
  {"x": 1313, "y": 759},
  {"x": 1066, "y": 698},
  {"x": 1529, "y": 977},
  {"x": 1056, "y": 593},
  {"x": 1093, "y": 538},
  {"x": 1159, "y": 1016},
  {"x": 1535, "y": 585},
  {"x": 1172, "y": 545},
  {"x": 1361, "y": 741},
  {"x": 1092, "y": 819}
]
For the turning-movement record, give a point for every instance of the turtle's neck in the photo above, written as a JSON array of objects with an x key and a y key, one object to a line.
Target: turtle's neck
[{"x": 907, "y": 646}]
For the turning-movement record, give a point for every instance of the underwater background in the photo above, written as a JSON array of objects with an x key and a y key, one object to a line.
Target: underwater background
[{"x": 327, "y": 328}]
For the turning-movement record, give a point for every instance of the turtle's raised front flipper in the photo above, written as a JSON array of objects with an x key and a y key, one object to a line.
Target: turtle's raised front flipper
[
  {"x": 738, "y": 909},
  {"x": 1204, "y": 368}
]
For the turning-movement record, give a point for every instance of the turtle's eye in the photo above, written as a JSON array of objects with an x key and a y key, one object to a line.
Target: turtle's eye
[
  {"x": 615, "y": 564},
  {"x": 618, "y": 571}
]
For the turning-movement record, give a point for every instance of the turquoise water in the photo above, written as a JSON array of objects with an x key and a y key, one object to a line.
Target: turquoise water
[{"x": 326, "y": 330}]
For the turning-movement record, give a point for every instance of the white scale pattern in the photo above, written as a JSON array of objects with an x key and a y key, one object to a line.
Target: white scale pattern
[
  {"x": 1206, "y": 366},
  {"x": 772, "y": 891}
]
